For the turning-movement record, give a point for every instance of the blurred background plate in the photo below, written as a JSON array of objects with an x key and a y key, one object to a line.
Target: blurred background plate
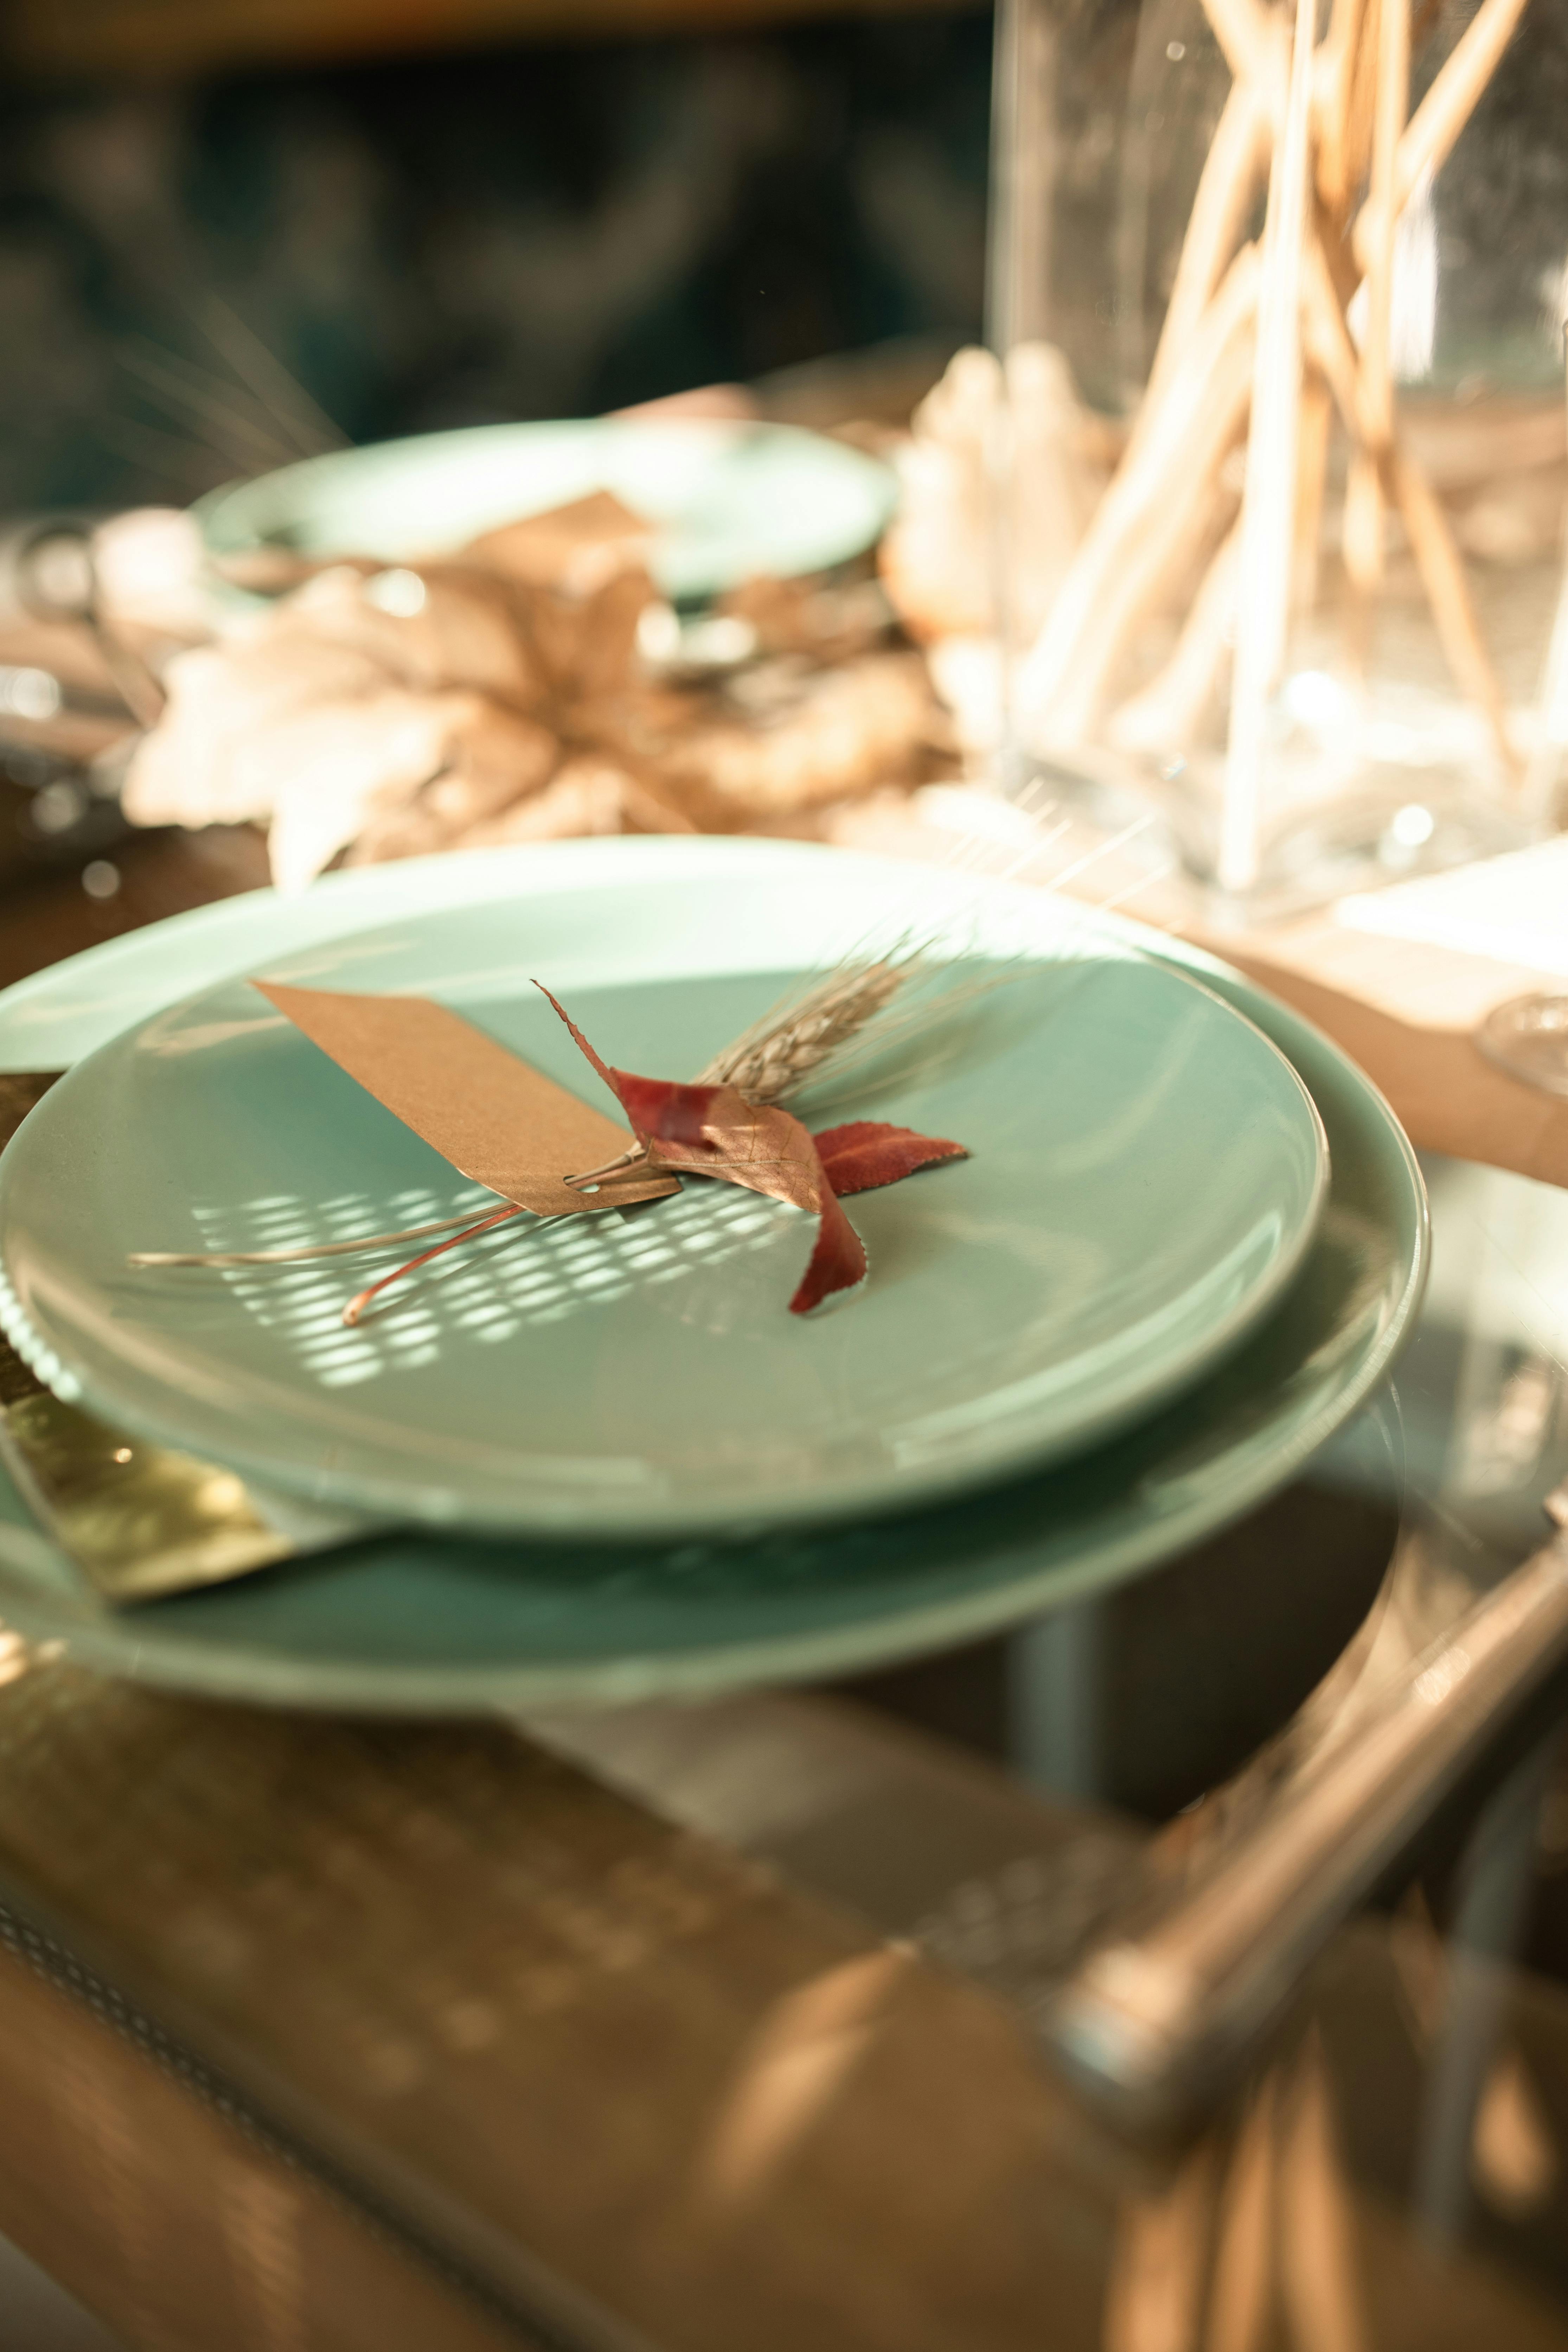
[{"x": 730, "y": 501}]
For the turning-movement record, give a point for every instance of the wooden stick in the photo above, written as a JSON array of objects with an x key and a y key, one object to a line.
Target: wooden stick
[
  {"x": 1263, "y": 597},
  {"x": 1431, "y": 541},
  {"x": 1166, "y": 714},
  {"x": 1447, "y": 593},
  {"x": 1361, "y": 99},
  {"x": 1426, "y": 16},
  {"x": 1181, "y": 437},
  {"x": 1328, "y": 338},
  {"x": 1383, "y": 205},
  {"x": 1311, "y": 477},
  {"x": 1363, "y": 527},
  {"x": 1249, "y": 39},
  {"x": 1176, "y": 526},
  {"x": 1362, "y": 531},
  {"x": 1429, "y": 135},
  {"x": 1332, "y": 100},
  {"x": 1237, "y": 158},
  {"x": 1456, "y": 90},
  {"x": 1552, "y": 728}
]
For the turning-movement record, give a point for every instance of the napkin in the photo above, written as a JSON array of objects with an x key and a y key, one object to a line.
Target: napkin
[
  {"x": 499, "y": 1122},
  {"x": 1401, "y": 979}
]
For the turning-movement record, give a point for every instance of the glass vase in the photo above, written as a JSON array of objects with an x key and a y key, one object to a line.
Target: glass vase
[{"x": 1279, "y": 296}]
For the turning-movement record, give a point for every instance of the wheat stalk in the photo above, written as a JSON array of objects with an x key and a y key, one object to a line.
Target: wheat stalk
[{"x": 793, "y": 1042}]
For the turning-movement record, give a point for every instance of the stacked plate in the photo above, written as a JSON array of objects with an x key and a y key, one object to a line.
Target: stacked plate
[
  {"x": 599, "y": 1459},
  {"x": 728, "y": 501}
]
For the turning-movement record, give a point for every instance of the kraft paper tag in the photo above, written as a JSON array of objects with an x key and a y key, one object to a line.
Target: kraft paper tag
[{"x": 501, "y": 1122}]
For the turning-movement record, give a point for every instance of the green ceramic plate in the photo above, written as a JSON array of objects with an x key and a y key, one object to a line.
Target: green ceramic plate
[
  {"x": 730, "y": 500},
  {"x": 426, "y": 1624},
  {"x": 1147, "y": 1171}
]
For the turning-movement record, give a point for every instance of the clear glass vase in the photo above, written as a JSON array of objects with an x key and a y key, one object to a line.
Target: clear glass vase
[{"x": 1279, "y": 293}]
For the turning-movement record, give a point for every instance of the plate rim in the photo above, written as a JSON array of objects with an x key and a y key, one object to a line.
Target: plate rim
[
  {"x": 426, "y": 1503},
  {"x": 217, "y": 507}
]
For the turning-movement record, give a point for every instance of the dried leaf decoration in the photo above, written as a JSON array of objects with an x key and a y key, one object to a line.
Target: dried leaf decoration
[
  {"x": 866, "y": 1153},
  {"x": 504, "y": 1125},
  {"x": 713, "y": 1130}
]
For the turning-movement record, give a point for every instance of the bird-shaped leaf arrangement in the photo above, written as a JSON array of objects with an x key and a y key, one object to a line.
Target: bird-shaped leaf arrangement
[{"x": 714, "y": 1130}]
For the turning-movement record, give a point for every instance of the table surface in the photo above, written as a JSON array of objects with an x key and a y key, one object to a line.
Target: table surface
[{"x": 655, "y": 2029}]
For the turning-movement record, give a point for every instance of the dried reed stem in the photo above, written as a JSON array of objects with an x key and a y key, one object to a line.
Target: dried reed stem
[
  {"x": 1332, "y": 102},
  {"x": 362, "y": 1299},
  {"x": 1237, "y": 158},
  {"x": 1428, "y": 138},
  {"x": 1315, "y": 424},
  {"x": 1329, "y": 341},
  {"x": 1362, "y": 532},
  {"x": 1263, "y": 600},
  {"x": 1382, "y": 212},
  {"x": 1361, "y": 97},
  {"x": 298, "y": 1256},
  {"x": 1447, "y": 592},
  {"x": 1429, "y": 135},
  {"x": 1546, "y": 759},
  {"x": 1182, "y": 441},
  {"x": 1167, "y": 713},
  {"x": 1248, "y": 37},
  {"x": 1363, "y": 525},
  {"x": 1431, "y": 541},
  {"x": 1171, "y": 536}
]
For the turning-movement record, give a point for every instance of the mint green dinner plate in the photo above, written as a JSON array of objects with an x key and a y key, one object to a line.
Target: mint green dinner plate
[
  {"x": 421, "y": 1623},
  {"x": 729, "y": 499},
  {"x": 1146, "y": 1172}
]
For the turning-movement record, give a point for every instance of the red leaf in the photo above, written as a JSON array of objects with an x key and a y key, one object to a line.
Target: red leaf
[
  {"x": 715, "y": 1131},
  {"x": 867, "y": 1153},
  {"x": 666, "y": 1111},
  {"x": 838, "y": 1261},
  {"x": 658, "y": 1108}
]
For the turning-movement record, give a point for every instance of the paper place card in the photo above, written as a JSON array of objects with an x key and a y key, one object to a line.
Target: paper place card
[{"x": 501, "y": 1122}]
